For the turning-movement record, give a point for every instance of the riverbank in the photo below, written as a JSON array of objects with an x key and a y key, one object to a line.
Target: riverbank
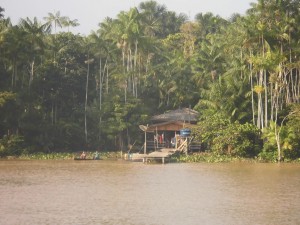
[
  {"x": 64, "y": 156},
  {"x": 206, "y": 157},
  {"x": 202, "y": 157},
  {"x": 210, "y": 158}
]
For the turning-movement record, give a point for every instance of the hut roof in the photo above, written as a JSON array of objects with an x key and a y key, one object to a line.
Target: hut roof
[
  {"x": 166, "y": 126},
  {"x": 185, "y": 115}
]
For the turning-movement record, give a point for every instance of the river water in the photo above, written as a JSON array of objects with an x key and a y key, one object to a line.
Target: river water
[{"x": 120, "y": 192}]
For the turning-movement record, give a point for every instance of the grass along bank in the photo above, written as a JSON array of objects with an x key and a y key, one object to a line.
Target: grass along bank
[
  {"x": 66, "y": 156},
  {"x": 202, "y": 157},
  {"x": 208, "y": 157}
]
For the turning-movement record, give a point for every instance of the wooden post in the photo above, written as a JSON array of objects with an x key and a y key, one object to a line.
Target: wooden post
[
  {"x": 144, "y": 128},
  {"x": 145, "y": 145}
]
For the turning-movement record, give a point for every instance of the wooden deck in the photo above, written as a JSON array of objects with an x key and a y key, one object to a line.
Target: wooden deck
[
  {"x": 163, "y": 155},
  {"x": 137, "y": 157}
]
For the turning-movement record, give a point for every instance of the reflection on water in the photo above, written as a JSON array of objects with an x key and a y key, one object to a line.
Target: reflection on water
[{"x": 118, "y": 192}]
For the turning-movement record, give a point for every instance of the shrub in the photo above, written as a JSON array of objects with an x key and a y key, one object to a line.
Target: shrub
[
  {"x": 224, "y": 137},
  {"x": 11, "y": 145},
  {"x": 237, "y": 140}
]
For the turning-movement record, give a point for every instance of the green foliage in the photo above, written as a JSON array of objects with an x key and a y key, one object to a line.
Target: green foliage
[
  {"x": 121, "y": 120},
  {"x": 227, "y": 96},
  {"x": 6, "y": 97},
  {"x": 47, "y": 156},
  {"x": 209, "y": 128},
  {"x": 237, "y": 140},
  {"x": 223, "y": 137},
  {"x": 9, "y": 112},
  {"x": 67, "y": 156},
  {"x": 11, "y": 145},
  {"x": 289, "y": 140},
  {"x": 292, "y": 148},
  {"x": 266, "y": 156},
  {"x": 269, "y": 137},
  {"x": 206, "y": 157}
]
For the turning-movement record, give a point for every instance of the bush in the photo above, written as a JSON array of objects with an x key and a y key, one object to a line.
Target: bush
[
  {"x": 11, "y": 145},
  {"x": 224, "y": 137},
  {"x": 237, "y": 140},
  {"x": 267, "y": 156},
  {"x": 289, "y": 140},
  {"x": 206, "y": 157}
]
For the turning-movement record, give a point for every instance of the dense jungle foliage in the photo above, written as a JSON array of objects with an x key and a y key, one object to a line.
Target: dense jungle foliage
[{"x": 62, "y": 92}]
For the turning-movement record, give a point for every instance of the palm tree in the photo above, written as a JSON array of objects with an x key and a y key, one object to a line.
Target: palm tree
[
  {"x": 13, "y": 48},
  {"x": 5, "y": 25},
  {"x": 56, "y": 19},
  {"x": 70, "y": 23},
  {"x": 106, "y": 28},
  {"x": 152, "y": 16},
  {"x": 209, "y": 23},
  {"x": 102, "y": 49},
  {"x": 88, "y": 62},
  {"x": 34, "y": 36},
  {"x": 1, "y": 13},
  {"x": 127, "y": 33},
  {"x": 189, "y": 33},
  {"x": 274, "y": 28},
  {"x": 172, "y": 23}
]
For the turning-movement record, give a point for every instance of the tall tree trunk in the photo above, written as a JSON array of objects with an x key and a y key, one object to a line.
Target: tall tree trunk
[
  {"x": 272, "y": 99},
  {"x": 260, "y": 114},
  {"x": 100, "y": 84},
  {"x": 297, "y": 86},
  {"x": 252, "y": 92},
  {"x": 31, "y": 73},
  {"x": 107, "y": 73},
  {"x": 124, "y": 73},
  {"x": 14, "y": 72},
  {"x": 266, "y": 98},
  {"x": 86, "y": 99},
  {"x": 100, "y": 97},
  {"x": 135, "y": 67}
]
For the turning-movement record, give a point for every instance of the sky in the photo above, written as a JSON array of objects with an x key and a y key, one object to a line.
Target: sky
[{"x": 90, "y": 13}]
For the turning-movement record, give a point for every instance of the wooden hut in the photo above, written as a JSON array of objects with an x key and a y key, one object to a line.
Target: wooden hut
[{"x": 164, "y": 129}]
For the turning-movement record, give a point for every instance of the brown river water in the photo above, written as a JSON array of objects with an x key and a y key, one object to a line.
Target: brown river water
[{"x": 120, "y": 192}]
